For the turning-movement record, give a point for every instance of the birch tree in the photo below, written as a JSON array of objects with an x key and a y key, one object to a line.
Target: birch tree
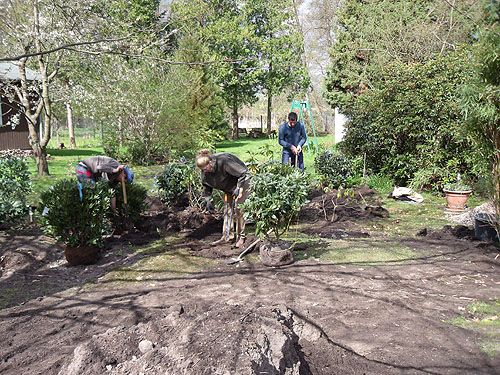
[{"x": 40, "y": 35}]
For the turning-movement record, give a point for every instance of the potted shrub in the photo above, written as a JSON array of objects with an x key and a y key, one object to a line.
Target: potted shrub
[
  {"x": 278, "y": 192},
  {"x": 457, "y": 194},
  {"x": 79, "y": 221}
]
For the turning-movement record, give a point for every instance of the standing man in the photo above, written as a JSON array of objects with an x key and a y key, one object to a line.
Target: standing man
[
  {"x": 292, "y": 136},
  {"x": 224, "y": 171},
  {"x": 104, "y": 167}
]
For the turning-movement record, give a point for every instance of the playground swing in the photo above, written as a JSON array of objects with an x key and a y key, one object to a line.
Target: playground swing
[{"x": 305, "y": 106}]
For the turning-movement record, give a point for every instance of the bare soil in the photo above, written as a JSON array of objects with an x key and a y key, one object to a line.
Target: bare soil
[{"x": 308, "y": 317}]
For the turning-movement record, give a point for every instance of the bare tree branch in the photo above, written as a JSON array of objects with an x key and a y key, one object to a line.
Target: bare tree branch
[{"x": 63, "y": 47}]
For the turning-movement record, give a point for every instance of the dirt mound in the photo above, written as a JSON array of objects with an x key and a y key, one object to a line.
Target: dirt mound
[
  {"x": 154, "y": 204},
  {"x": 449, "y": 232},
  {"x": 21, "y": 257},
  {"x": 331, "y": 207},
  {"x": 159, "y": 218},
  {"x": 216, "y": 339}
]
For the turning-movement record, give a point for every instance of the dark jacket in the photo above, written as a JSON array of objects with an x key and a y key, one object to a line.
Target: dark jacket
[
  {"x": 102, "y": 168},
  {"x": 227, "y": 173},
  {"x": 292, "y": 136}
]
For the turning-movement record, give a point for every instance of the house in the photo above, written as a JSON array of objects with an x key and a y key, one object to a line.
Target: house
[{"x": 14, "y": 132}]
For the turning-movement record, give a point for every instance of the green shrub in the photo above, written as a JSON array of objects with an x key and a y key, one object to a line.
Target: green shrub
[
  {"x": 265, "y": 152},
  {"x": 139, "y": 154},
  {"x": 136, "y": 201},
  {"x": 177, "y": 180},
  {"x": 412, "y": 123},
  {"x": 333, "y": 169},
  {"x": 15, "y": 185},
  {"x": 73, "y": 221},
  {"x": 276, "y": 168},
  {"x": 276, "y": 198}
]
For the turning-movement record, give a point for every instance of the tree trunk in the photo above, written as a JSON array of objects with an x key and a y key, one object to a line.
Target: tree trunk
[
  {"x": 32, "y": 115},
  {"x": 71, "y": 129},
  {"x": 496, "y": 177},
  {"x": 269, "y": 108},
  {"x": 41, "y": 159},
  {"x": 57, "y": 132},
  {"x": 39, "y": 147},
  {"x": 235, "y": 119}
]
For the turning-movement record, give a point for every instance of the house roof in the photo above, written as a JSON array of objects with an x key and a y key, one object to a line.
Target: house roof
[{"x": 10, "y": 71}]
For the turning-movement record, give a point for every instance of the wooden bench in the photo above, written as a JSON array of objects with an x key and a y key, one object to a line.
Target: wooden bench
[{"x": 256, "y": 133}]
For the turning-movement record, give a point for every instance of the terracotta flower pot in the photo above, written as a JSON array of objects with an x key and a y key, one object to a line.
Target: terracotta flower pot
[
  {"x": 456, "y": 199},
  {"x": 82, "y": 255}
]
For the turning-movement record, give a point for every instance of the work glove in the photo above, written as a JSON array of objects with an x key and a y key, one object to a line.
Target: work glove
[
  {"x": 236, "y": 192},
  {"x": 209, "y": 205}
]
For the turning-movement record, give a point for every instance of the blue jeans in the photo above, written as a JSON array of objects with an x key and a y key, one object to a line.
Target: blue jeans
[
  {"x": 290, "y": 159},
  {"x": 83, "y": 174}
]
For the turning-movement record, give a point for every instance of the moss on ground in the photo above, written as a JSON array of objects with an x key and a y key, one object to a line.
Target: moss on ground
[{"x": 159, "y": 261}]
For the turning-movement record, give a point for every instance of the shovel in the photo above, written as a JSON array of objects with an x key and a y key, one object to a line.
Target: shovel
[
  {"x": 225, "y": 215},
  {"x": 296, "y": 160},
  {"x": 128, "y": 224},
  {"x": 240, "y": 257}
]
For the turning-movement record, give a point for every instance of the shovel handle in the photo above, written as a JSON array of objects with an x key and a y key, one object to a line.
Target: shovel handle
[
  {"x": 124, "y": 189},
  {"x": 252, "y": 245}
]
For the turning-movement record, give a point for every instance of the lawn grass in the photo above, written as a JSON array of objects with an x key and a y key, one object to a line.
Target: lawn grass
[
  {"x": 245, "y": 146},
  {"x": 484, "y": 318}
]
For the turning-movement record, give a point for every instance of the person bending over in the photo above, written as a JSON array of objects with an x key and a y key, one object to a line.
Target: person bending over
[
  {"x": 225, "y": 171},
  {"x": 96, "y": 168}
]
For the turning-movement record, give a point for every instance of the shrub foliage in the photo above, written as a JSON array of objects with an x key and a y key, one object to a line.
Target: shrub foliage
[
  {"x": 73, "y": 221},
  {"x": 177, "y": 180},
  {"x": 278, "y": 192},
  {"x": 136, "y": 201},
  {"x": 14, "y": 186},
  {"x": 411, "y": 124},
  {"x": 333, "y": 169}
]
